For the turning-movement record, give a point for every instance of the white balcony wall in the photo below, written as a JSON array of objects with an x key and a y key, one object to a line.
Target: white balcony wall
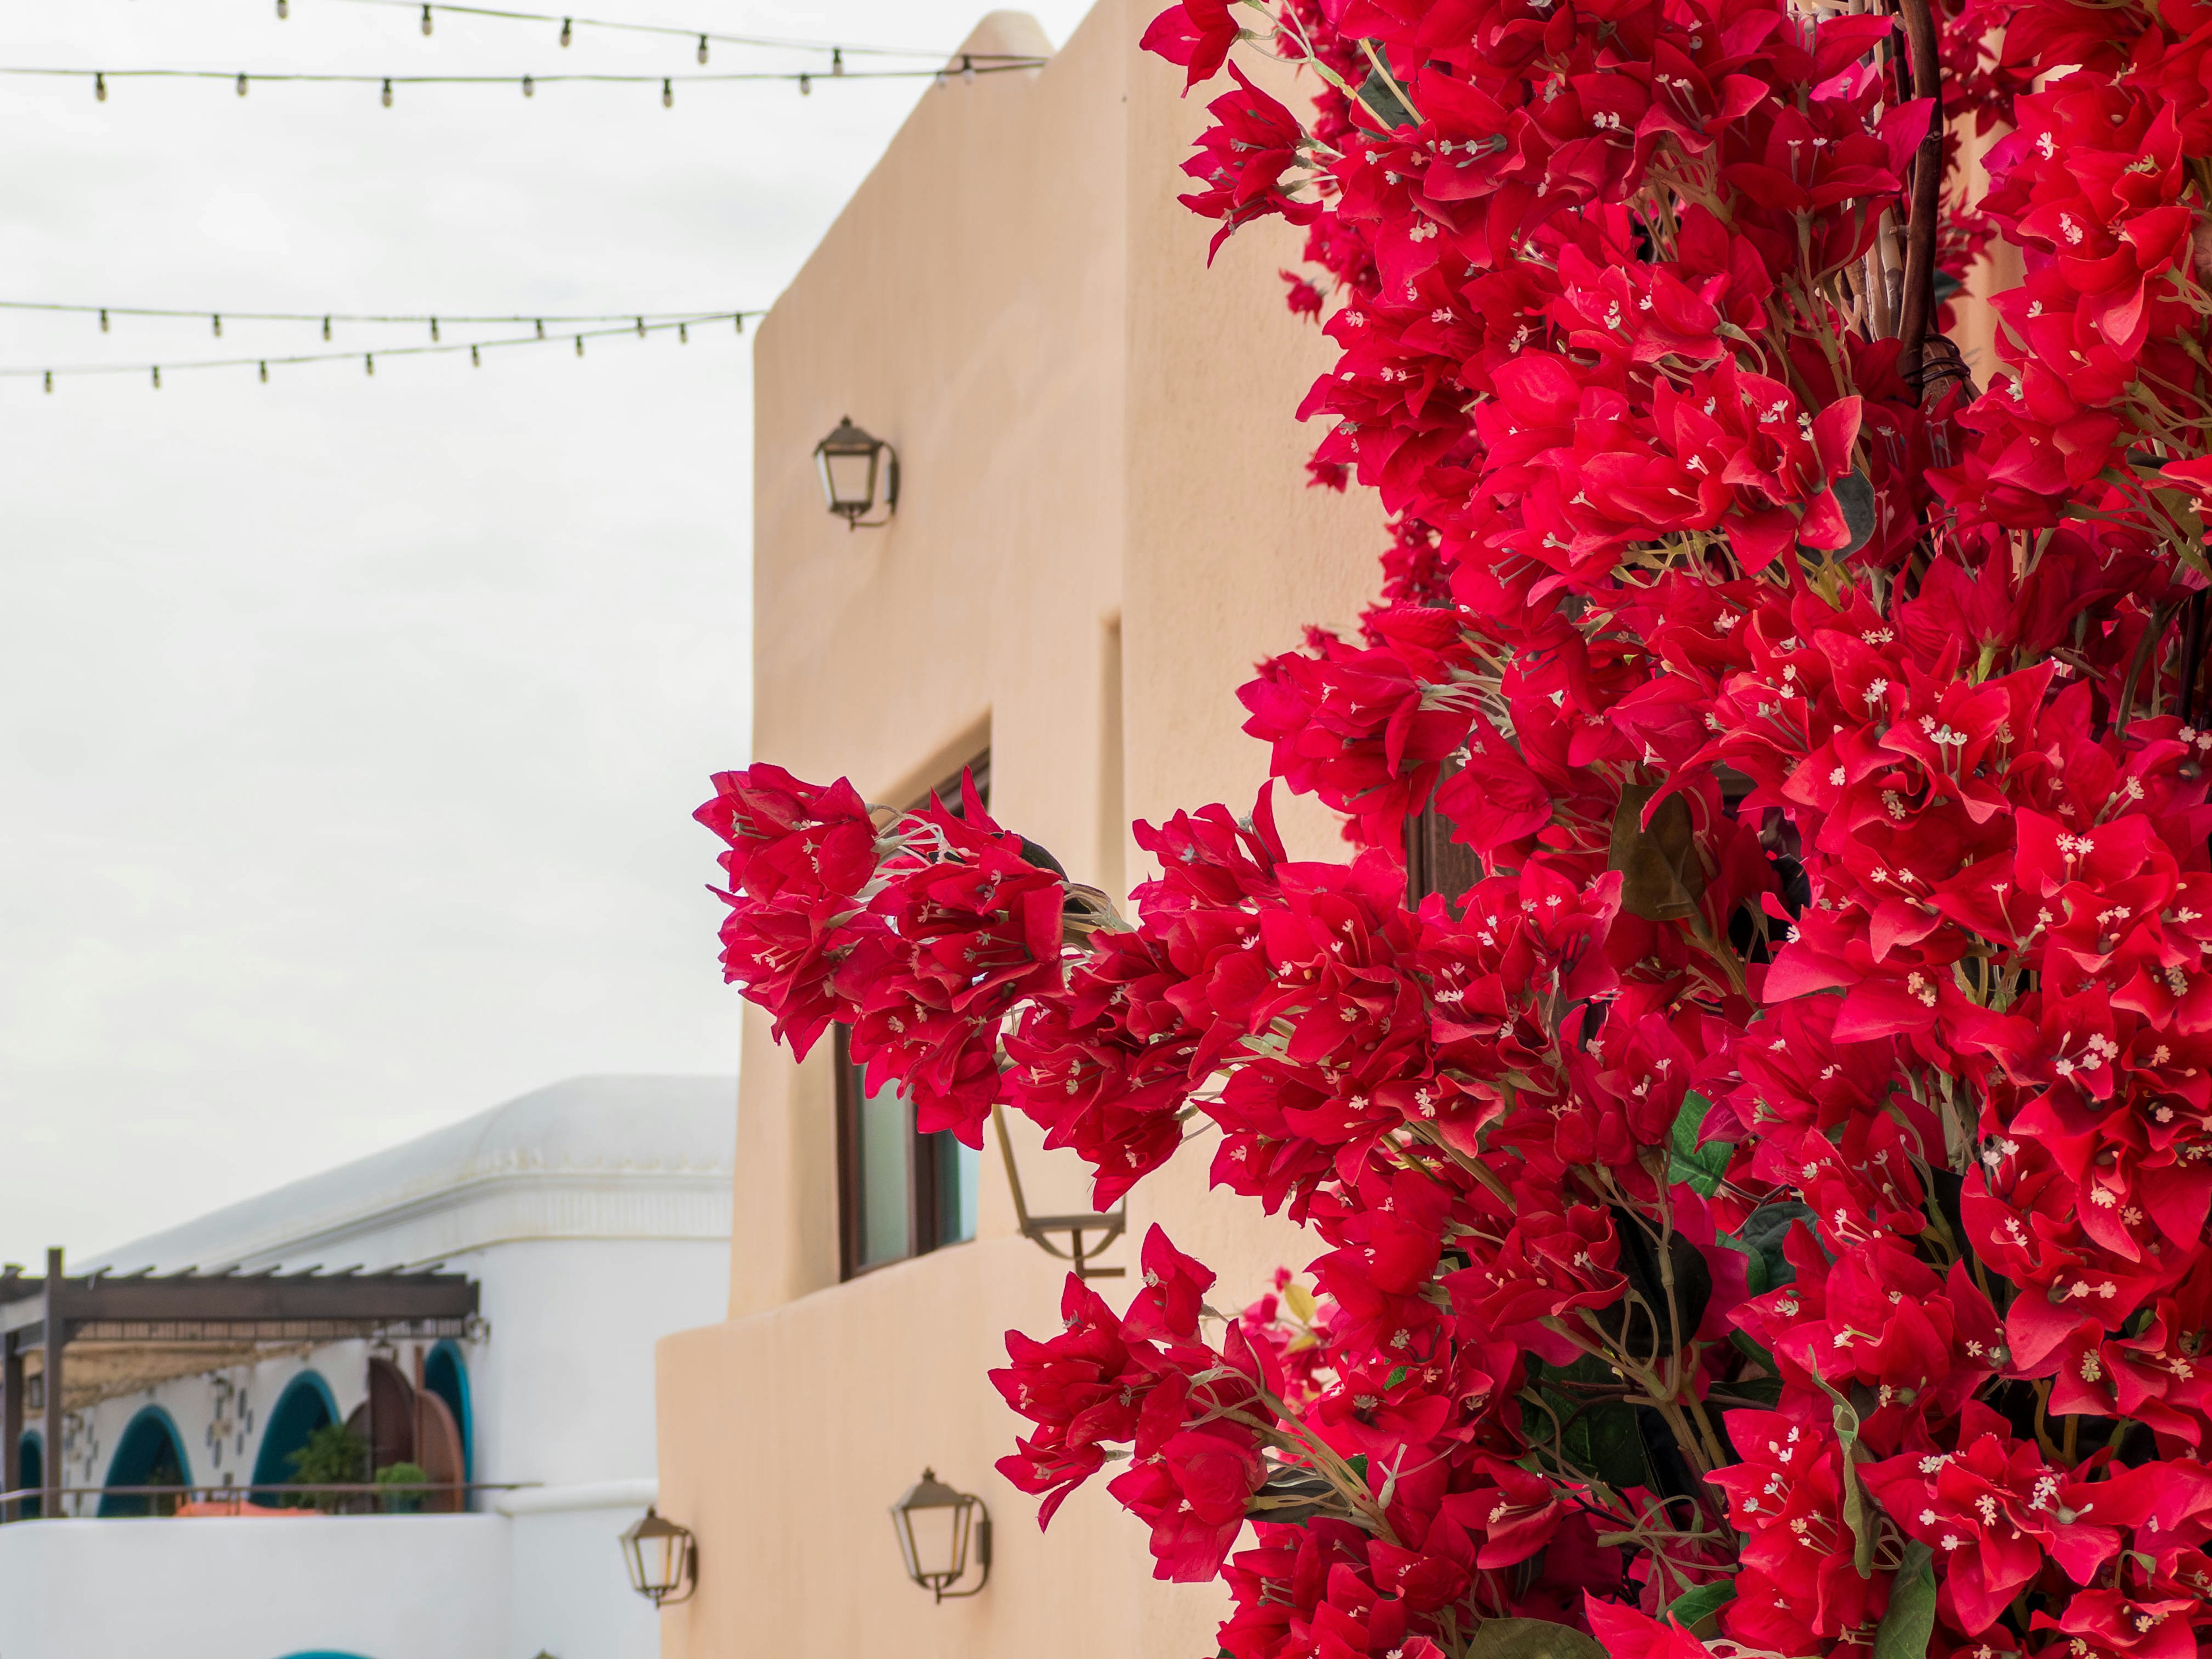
[{"x": 402, "y": 1587}]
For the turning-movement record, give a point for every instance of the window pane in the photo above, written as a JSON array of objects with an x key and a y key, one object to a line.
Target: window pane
[
  {"x": 885, "y": 1189},
  {"x": 958, "y": 1168}
]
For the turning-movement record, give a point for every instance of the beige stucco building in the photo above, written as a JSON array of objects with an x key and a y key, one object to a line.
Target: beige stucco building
[{"x": 1104, "y": 521}]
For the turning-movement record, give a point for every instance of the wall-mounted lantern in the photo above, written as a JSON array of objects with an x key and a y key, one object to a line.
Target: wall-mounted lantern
[
  {"x": 938, "y": 1530},
  {"x": 663, "y": 1558},
  {"x": 856, "y": 465},
  {"x": 1039, "y": 1229}
]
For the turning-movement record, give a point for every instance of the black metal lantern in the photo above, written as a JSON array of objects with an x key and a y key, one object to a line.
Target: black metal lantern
[
  {"x": 938, "y": 1528},
  {"x": 1082, "y": 1246},
  {"x": 663, "y": 1558},
  {"x": 855, "y": 466}
]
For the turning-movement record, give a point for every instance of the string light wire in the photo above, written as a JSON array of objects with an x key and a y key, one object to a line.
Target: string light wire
[
  {"x": 432, "y": 319},
  {"x": 569, "y": 23},
  {"x": 968, "y": 70},
  {"x": 475, "y": 349}
]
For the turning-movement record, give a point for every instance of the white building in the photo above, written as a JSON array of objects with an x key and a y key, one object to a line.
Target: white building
[{"x": 594, "y": 1215}]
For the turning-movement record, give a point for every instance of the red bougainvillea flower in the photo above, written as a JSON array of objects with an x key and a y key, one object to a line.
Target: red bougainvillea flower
[
  {"x": 1196, "y": 34},
  {"x": 1748, "y": 1089}
]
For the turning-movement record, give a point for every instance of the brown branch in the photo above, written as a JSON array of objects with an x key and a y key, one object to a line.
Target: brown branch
[{"x": 1918, "y": 301}]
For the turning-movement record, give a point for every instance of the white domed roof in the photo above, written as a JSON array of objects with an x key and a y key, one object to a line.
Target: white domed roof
[{"x": 488, "y": 1179}]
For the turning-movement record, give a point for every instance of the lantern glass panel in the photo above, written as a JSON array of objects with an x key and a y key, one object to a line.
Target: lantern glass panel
[
  {"x": 938, "y": 1537},
  {"x": 848, "y": 478},
  {"x": 661, "y": 1560}
]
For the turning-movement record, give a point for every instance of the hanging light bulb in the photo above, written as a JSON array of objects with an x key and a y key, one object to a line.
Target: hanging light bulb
[
  {"x": 369, "y": 362},
  {"x": 50, "y": 379},
  {"x": 242, "y": 85},
  {"x": 805, "y": 86},
  {"x": 702, "y": 48},
  {"x": 284, "y": 9},
  {"x": 837, "y": 60},
  {"x": 967, "y": 68},
  {"x": 667, "y": 94},
  {"x": 157, "y": 377},
  {"x": 683, "y": 334},
  {"x": 641, "y": 328},
  {"x": 741, "y": 322},
  {"x": 528, "y": 87},
  {"x": 567, "y": 30},
  {"x": 476, "y": 358},
  {"x": 100, "y": 85},
  {"x": 217, "y": 320},
  {"x": 387, "y": 92},
  {"x": 579, "y": 345},
  {"x": 265, "y": 373},
  {"x": 103, "y": 319},
  {"x": 541, "y": 328},
  {"x": 427, "y": 25}
]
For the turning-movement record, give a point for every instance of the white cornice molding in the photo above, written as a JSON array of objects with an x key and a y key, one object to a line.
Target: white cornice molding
[{"x": 513, "y": 1205}]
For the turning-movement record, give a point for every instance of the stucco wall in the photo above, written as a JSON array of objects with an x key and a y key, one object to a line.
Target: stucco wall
[
  {"x": 418, "y": 1587},
  {"x": 1096, "y": 428}
]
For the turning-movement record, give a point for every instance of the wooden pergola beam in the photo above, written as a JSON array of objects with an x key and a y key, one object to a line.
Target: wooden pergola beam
[{"x": 46, "y": 1314}]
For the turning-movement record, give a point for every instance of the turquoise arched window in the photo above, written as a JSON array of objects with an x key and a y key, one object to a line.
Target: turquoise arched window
[
  {"x": 30, "y": 1473},
  {"x": 306, "y": 1405},
  {"x": 446, "y": 1374},
  {"x": 151, "y": 1453}
]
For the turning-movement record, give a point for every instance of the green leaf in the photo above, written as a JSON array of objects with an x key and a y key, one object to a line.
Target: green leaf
[
  {"x": 1398, "y": 1374},
  {"x": 1357, "y": 1463},
  {"x": 1701, "y": 1167},
  {"x": 1382, "y": 98},
  {"x": 1855, "y": 1503},
  {"x": 1632, "y": 1327},
  {"x": 1692, "y": 1607},
  {"x": 1905, "y": 1628},
  {"x": 1617, "y": 1445},
  {"x": 1766, "y": 1390},
  {"x": 1530, "y": 1638},
  {"x": 1762, "y": 1234}
]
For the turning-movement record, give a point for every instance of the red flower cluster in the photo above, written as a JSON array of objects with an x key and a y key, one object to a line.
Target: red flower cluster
[
  {"x": 1766, "y": 1206},
  {"x": 920, "y": 939}
]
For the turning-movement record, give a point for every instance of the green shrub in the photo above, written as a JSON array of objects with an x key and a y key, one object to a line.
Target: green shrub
[
  {"x": 402, "y": 1474},
  {"x": 334, "y": 1455}
]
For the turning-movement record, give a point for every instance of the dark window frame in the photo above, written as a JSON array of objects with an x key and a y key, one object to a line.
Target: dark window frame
[{"x": 1435, "y": 863}]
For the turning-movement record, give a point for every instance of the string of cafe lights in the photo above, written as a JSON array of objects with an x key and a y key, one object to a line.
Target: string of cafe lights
[
  {"x": 968, "y": 70},
  {"x": 706, "y": 38},
  {"x": 420, "y": 319},
  {"x": 638, "y": 326}
]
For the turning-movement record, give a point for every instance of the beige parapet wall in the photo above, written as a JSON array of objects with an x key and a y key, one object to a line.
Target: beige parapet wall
[{"x": 1099, "y": 456}]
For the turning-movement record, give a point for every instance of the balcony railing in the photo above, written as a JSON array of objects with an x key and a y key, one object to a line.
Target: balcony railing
[{"x": 344, "y": 1497}]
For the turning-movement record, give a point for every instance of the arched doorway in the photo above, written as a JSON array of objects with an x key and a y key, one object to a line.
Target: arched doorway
[
  {"x": 306, "y": 1405},
  {"x": 151, "y": 1453},
  {"x": 30, "y": 1475},
  {"x": 385, "y": 1419},
  {"x": 446, "y": 1374}
]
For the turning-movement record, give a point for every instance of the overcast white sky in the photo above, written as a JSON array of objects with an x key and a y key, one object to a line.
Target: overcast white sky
[{"x": 351, "y": 726}]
